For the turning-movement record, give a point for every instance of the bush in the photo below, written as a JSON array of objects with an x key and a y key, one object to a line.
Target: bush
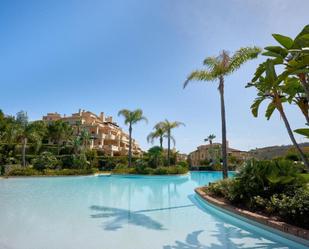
[
  {"x": 24, "y": 172},
  {"x": 45, "y": 161},
  {"x": 184, "y": 164},
  {"x": 80, "y": 162},
  {"x": 294, "y": 208},
  {"x": 265, "y": 178},
  {"x": 273, "y": 187},
  {"x": 69, "y": 172}
]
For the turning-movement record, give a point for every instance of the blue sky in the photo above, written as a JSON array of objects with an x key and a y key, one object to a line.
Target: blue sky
[{"x": 61, "y": 55}]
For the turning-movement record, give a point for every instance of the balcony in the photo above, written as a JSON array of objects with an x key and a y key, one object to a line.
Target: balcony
[
  {"x": 111, "y": 147},
  {"x": 110, "y": 137}
]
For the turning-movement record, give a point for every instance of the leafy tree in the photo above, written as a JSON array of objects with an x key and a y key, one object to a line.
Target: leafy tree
[
  {"x": 293, "y": 55},
  {"x": 60, "y": 132},
  {"x": 155, "y": 155},
  {"x": 217, "y": 68},
  {"x": 25, "y": 131},
  {"x": 85, "y": 138},
  {"x": 131, "y": 118},
  {"x": 168, "y": 127},
  {"x": 158, "y": 132},
  {"x": 269, "y": 87},
  {"x": 45, "y": 161}
]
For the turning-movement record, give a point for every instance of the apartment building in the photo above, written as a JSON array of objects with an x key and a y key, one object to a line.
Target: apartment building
[
  {"x": 205, "y": 152},
  {"x": 107, "y": 135}
]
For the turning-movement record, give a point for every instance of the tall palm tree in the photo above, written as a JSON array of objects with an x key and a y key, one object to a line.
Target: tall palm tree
[
  {"x": 168, "y": 126},
  {"x": 85, "y": 138},
  {"x": 25, "y": 131},
  {"x": 131, "y": 118},
  {"x": 60, "y": 132},
  {"x": 158, "y": 132},
  {"x": 217, "y": 68},
  {"x": 209, "y": 139}
]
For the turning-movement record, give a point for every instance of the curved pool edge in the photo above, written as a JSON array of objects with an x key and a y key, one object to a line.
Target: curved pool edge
[{"x": 285, "y": 230}]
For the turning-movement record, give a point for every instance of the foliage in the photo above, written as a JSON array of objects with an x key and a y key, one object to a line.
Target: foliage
[
  {"x": 144, "y": 170},
  {"x": 184, "y": 164},
  {"x": 80, "y": 162},
  {"x": 45, "y": 161},
  {"x": 289, "y": 86},
  {"x": 155, "y": 156},
  {"x": 294, "y": 208},
  {"x": 168, "y": 126},
  {"x": 273, "y": 187},
  {"x": 131, "y": 118},
  {"x": 48, "y": 172},
  {"x": 158, "y": 132},
  {"x": 217, "y": 68}
]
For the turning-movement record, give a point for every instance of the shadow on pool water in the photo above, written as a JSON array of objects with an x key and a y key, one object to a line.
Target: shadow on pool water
[{"x": 224, "y": 235}]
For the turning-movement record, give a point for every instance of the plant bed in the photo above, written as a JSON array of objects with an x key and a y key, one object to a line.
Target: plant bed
[
  {"x": 163, "y": 170},
  {"x": 264, "y": 219}
]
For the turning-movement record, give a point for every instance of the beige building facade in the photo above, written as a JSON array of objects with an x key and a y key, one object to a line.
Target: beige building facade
[
  {"x": 107, "y": 135},
  {"x": 205, "y": 152}
]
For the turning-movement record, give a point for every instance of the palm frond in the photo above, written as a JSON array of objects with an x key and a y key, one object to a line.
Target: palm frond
[
  {"x": 200, "y": 75},
  {"x": 241, "y": 56}
]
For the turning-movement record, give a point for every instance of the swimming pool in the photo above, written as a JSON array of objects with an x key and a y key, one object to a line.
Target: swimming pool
[{"x": 121, "y": 212}]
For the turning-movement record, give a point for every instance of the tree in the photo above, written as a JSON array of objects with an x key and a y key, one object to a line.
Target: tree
[
  {"x": 269, "y": 87},
  {"x": 85, "y": 138},
  {"x": 217, "y": 68},
  {"x": 25, "y": 131},
  {"x": 131, "y": 118},
  {"x": 210, "y": 138},
  {"x": 60, "y": 132},
  {"x": 158, "y": 132},
  {"x": 155, "y": 156},
  {"x": 293, "y": 56},
  {"x": 168, "y": 127}
]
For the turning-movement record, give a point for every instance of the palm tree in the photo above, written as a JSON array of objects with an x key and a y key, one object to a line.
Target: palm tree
[
  {"x": 85, "y": 138},
  {"x": 60, "y": 132},
  {"x": 158, "y": 132},
  {"x": 270, "y": 88},
  {"x": 25, "y": 131},
  {"x": 210, "y": 138},
  {"x": 167, "y": 127},
  {"x": 216, "y": 69},
  {"x": 131, "y": 118}
]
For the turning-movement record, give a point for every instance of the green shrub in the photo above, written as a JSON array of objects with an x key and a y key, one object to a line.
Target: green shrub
[
  {"x": 265, "y": 178},
  {"x": 273, "y": 187},
  {"x": 69, "y": 172},
  {"x": 24, "y": 172},
  {"x": 80, "y": 162},
  {"x": 184, "y": 164},
  {"x": 45, "y": 161},
  {"x": 294, "y": 208}
]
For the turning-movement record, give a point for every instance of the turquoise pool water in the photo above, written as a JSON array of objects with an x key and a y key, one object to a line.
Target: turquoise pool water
[{"x": 121, "y": 212}]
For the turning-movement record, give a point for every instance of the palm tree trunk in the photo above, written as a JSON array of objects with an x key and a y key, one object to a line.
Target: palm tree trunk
[
  {"x": 24, "y": 152},
  {"x": 130, "y": 145},
  {"x": 161, "y": 142},
  {"x": 224, "y": 149},
  {"x": 288, "y": 127},
  {"x": 168, "y": 147}
]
